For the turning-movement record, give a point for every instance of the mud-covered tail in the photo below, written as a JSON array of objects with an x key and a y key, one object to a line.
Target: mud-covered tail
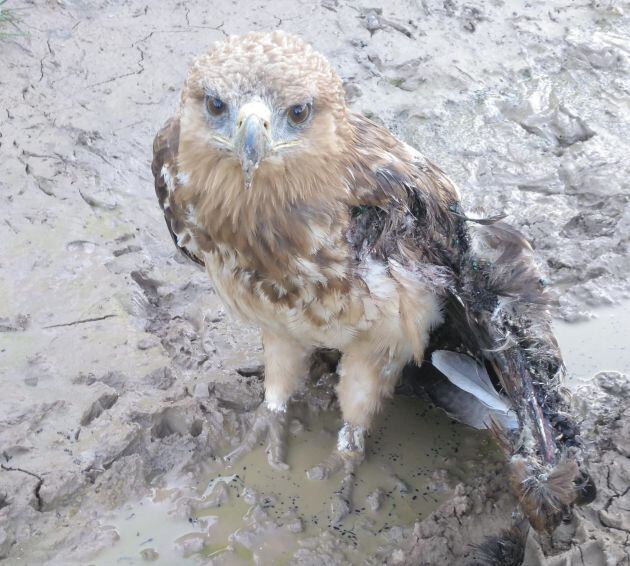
[{"x": 497, "y": 313}]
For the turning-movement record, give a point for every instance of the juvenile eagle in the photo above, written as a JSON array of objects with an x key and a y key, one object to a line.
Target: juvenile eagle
[{"x": 326, "y": 231}]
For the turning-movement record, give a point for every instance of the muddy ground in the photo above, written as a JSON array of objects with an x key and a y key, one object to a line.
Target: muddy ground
[{"x": 118, "y": 363}]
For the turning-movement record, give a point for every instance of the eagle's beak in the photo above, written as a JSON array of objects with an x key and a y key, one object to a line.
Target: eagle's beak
[{"x": 252, "y": 139}]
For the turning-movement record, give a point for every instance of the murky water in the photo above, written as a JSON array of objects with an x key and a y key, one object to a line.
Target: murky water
[
  {"x": 250, "y": 513},
  {"x": 266, "y": 515},
  {"x": 599, "y": 344}
]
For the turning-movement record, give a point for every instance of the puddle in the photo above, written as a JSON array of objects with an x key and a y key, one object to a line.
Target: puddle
[
  {"x": 267, "y": 515},
  {"x": 250, "y": 513},
  {"x": 147, "y": 530},
  {"x": 599, "y": 344}
]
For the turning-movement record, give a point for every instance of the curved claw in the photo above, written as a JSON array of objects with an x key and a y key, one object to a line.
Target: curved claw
[
  {"x": 327, "y": 468},
  {"x": 271, "y": 424},
  {"x": 340, "y": 508},
  {"x": 342, "y": 498}
]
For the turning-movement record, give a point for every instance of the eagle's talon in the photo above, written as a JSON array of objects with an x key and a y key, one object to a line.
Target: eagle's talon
[
  {"x": 268, "y": 423},
  {"x": 341, "y": 501},
  {"x": 338, "y": 460},
  {"x": 349, "y": 453},
  {"x": 340, "y": 509},
  {"x": 326, "y": 469},
  {"x": 346, "y": 458}
]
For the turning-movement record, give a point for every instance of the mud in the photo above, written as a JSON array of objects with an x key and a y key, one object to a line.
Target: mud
[
  {"x": 120, "y": 367},
  {"x": 601, "y": 343}
]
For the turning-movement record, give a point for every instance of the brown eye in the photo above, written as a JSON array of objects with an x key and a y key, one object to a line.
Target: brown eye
[
  {"x": 299, "y": 113},
  {"x": 215, "y": 105}
]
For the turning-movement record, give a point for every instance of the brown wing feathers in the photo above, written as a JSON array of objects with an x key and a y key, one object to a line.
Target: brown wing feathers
[
  {"x": 164, "y": 169},
  {"x": 495, "y": 310}
]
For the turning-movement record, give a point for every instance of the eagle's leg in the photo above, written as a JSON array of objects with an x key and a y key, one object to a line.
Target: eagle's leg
[
  {"x": 365, "y": 380},
  {"x": 286, "y": 365}
]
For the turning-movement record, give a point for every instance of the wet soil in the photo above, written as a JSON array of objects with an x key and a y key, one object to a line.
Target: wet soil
[{"x": 118, "y": 363}]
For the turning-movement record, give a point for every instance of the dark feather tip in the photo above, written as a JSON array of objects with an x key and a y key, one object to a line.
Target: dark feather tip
[
  {"x": 544, "y": 493},
  {"x": 483, "y": 221},
  {"x": 585, "y": 489},
  {"x": 505, "y": 549}
]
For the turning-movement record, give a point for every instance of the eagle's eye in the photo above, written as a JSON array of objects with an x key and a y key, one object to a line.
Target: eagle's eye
[
  {"x": 215, "y": 105},
  {"x": 299, "y": 113}
]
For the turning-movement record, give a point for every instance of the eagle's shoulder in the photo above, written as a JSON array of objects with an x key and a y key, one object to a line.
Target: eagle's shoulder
[
  {"x": 401, "y": 203},
  {"x": 167, "y": 181}
]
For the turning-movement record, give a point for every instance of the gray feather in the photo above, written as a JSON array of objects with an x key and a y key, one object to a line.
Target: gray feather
[{"x": 469, "y": 376}]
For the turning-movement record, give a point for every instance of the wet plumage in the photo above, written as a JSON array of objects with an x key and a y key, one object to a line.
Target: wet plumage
[{"x": 328, "y": 232}]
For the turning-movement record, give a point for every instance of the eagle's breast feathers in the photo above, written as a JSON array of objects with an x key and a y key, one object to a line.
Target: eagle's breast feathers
[{"x": 325, "y": 269}]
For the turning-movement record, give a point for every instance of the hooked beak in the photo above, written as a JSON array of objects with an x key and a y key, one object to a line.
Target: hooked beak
[{"x": 252, "y": 140}]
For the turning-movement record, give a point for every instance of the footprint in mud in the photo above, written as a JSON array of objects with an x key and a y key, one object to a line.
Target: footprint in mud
[
  {"x": 173, "y": 420},
  {"x": 105, "y": 401},
  {"x": 542, "y": 112}
]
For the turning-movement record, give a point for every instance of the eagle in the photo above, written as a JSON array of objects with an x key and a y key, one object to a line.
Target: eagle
[{"x": 328, "y": 232}]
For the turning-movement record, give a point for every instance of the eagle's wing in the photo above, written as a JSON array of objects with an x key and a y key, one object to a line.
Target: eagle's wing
[
  {"x": 167, "y": 181},
  {"x": 496, "y": 309}
]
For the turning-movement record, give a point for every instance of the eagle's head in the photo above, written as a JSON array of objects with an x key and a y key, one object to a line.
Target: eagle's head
[{"x": 261, "y": 107}]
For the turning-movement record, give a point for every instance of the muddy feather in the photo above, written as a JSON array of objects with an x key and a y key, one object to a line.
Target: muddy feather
[{"x": 505, "y": 549}]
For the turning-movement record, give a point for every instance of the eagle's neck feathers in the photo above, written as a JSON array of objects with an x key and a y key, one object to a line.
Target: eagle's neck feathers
[{"x": 294, "y": 201}]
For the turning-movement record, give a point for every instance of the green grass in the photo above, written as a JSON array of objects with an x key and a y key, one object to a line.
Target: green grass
[{"x": 8, "y": 19}]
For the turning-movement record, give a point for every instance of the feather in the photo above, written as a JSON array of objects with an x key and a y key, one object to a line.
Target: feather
[
  {"x": 164, "y": 168},
  {"x": 544, "y": 491},
  {"x": 469, "y": 376},
  {"x": 505, "y": 549}
]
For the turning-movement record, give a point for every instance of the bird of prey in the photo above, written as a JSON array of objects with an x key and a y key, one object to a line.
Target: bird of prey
[{"x": 328, "y": 232}]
